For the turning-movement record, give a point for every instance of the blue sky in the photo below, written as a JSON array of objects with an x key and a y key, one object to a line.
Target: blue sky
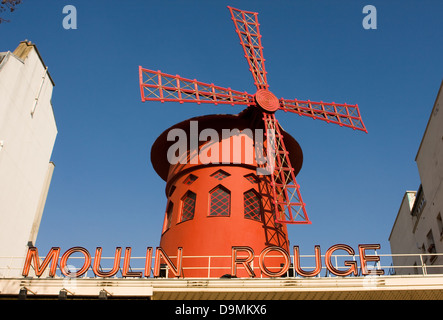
[{"x": 104, "y": 190}]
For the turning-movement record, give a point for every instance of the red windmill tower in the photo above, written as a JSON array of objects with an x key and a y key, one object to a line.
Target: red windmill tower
[{"x": 214, "y": 205}]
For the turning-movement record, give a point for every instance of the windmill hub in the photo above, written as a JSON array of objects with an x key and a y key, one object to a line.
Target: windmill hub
[{"x": 267, "y": 100}]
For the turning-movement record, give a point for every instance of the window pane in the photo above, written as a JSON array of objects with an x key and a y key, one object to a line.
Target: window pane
[
  {"x": 220, "y": 202},
  {"x": 252, "y": 206},
  {"x": 220, "y": 175},
  {"x": 188, "y": 206}
]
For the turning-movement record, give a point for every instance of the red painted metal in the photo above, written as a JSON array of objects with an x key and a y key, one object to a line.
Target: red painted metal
[
  {"x": 267, "y": 100},
  {"x": 160, "y": 86},
  {"x": 252, "y": 205},
  {"x": 247, "y": 28},
  {"x": 342, "y": 114},
  {"x": 287, "y": 201}
]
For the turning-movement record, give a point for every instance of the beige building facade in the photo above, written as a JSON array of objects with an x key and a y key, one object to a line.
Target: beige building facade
[
  {"x": 27, "y": 136},
  {"x": 417, "y": 235}
]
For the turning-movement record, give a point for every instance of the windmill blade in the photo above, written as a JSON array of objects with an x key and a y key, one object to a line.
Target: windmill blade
[
  {"x": 159, "y": 86},
  {"x": 341, "y": 114},
  {"x": 247, "y": 28},
  {"x": 288, "y": 203}
]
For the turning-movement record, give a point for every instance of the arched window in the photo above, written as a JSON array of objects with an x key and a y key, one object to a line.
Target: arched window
[
  {"x": 220, "y": 202},
  {"x": 188, "y": 206},
  {"x": 168, "y": 216},
  {"x": 252, "y": 205}
]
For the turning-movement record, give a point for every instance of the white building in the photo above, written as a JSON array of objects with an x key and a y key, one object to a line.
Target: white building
[
  {"x": 27, "y": 136},
  {"x": 418, "y": 228}
]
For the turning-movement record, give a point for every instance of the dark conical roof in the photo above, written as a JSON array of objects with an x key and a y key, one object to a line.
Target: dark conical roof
[{"x": 249, "y": 118}]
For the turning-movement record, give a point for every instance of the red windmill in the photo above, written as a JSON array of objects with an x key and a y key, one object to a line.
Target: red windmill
[{"x": 284, "y": 202}]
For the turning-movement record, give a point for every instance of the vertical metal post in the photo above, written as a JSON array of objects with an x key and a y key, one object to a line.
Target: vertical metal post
[{"x": 423, "y": 265}]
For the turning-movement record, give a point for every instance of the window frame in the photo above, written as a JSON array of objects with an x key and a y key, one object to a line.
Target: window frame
[
  {"x": 167, "y": 223},
  {"x": 222, "y": 172},
  {"x": 260, "y": 207},
  {"x": 190, "y": 179},
  {"x": 210, "y": 201},
  {"x": 182, "y": 204}
]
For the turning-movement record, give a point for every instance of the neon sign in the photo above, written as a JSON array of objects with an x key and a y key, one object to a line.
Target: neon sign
[{"x": 241, "y": 257}]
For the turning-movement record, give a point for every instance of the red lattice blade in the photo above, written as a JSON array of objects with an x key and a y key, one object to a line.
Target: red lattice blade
[
  {"x": 247, "y": 27},
  {"x": 159, "y": 86},
  {"x": 288, "y": 203},
  {"x": 341, "y": 114}
]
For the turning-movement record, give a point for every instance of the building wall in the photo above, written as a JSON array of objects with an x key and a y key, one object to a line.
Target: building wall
[
  {"x": 419, "y": 228},
  {"x": 26, "y": 145},
  {"x": 401, "y": 243},
  {"x": 430, "y": 166}
]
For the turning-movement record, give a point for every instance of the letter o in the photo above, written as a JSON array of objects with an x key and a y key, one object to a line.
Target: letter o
[
  {"x": 265, "y": 270},
  {"x": 83, "y": 269}
]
